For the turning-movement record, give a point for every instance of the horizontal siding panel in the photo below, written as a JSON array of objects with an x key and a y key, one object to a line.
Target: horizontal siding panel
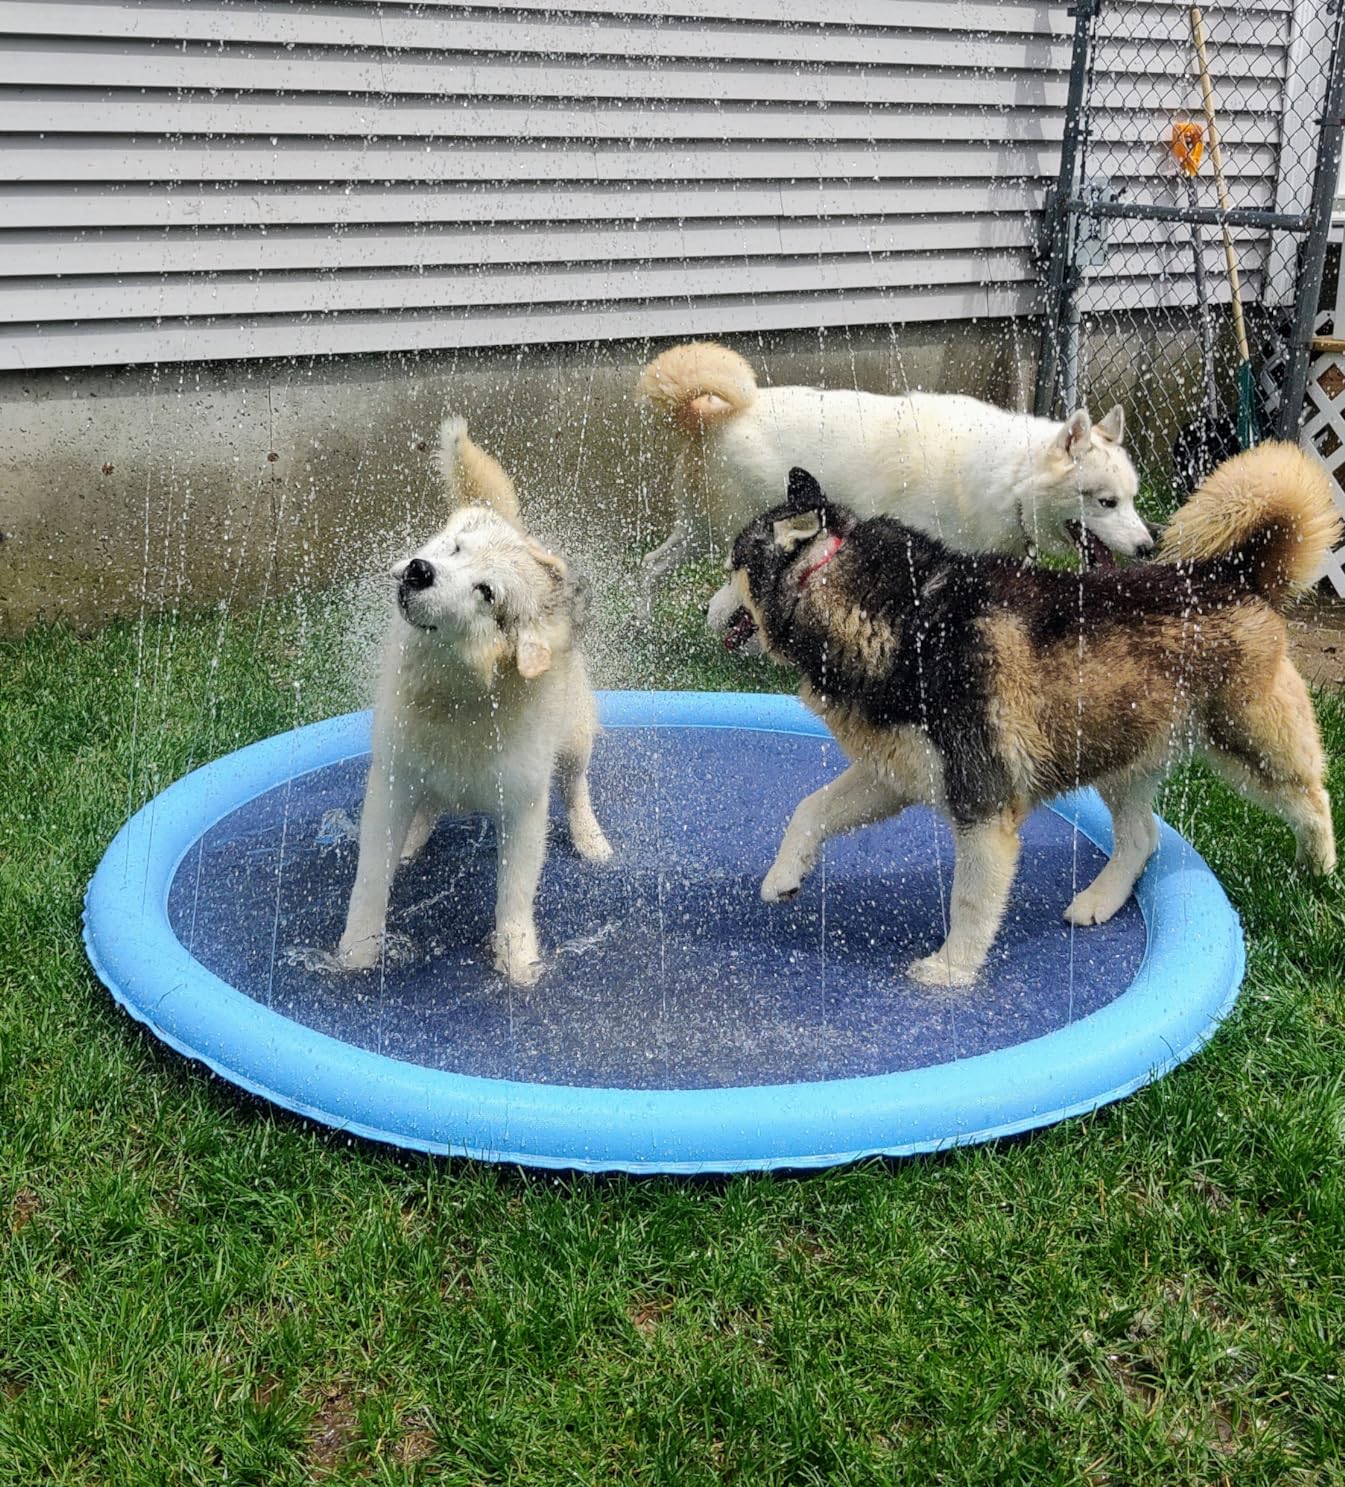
[
  {"x": 898, "y": 38},
  {"x": 868, "y": 80},
  {"x": 91, "y": 111},
  {"x": 287, "y": 294},
  {"x": 266, "y": 205},
  {"x": 1104, "y": 297},
  {"x": 118, "y": 343},
  {"x": 206, "y": 252},
  {"x": 278, "y": 69},
  {"x": 147, "y": 341},
  {"x": 998, "y": 15},
  {"x": 278, "y": 292},
  {"x": 310, "y": 33},
  {"x": 653, "y": 46},
  {"x": 98, "y": 158},
  {"x": 796, "y": 14},
  {"x": 537, "y": 28},
  {"x": 212, "y": 252}
]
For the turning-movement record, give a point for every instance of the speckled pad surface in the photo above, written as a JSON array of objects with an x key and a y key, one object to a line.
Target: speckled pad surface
[{"x": 665, "y": 969}]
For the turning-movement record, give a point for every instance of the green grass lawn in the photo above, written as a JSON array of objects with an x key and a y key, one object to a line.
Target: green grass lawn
[{"x": 196, "y": 1288}]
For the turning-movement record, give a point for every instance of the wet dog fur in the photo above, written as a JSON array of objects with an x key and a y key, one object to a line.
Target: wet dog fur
[
  {"x": 977, "y": 477},
  {"x": 483, "y": 698},
  {"x": 982, "y": 686}
]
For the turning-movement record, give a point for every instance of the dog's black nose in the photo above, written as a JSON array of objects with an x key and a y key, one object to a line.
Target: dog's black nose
[
  {"x": 418, "y": 574},
  {"x": 1144, "y": 549}
]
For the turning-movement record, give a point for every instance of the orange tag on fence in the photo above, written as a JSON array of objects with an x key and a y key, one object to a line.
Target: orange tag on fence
[{"x": 1188, "y": 146}]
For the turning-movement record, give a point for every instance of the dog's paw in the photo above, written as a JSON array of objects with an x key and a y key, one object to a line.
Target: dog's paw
[
  {"x": 1092, "y": 907},
  {"x": 591, "y": 844},
  {"x": 517, "y": 957},
  {"x": 781, "y": 883},
  {"x": 519, "y": 971},
  {"x": 938, "y": 970},
  {"x": 642, "y": 611},
  {"x": 359, "y": 954},
  {"x": 1317, "y": 862}
]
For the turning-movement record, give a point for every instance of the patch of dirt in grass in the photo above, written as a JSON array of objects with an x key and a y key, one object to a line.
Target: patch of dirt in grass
[
  {"x": 331, "y": 1430},
  {"x": 1207, "y": 1189},
  {"x": 267, "y": 1389},
  {"x": 456, "y": 1283},
  {"x": 806, "y": 1246},
  {"x": 645, "y": 1316},
  {"x": 23, "y": 1210},
  {"x": 1216, "y": 1432},
  {"x": 1317, "y": 640},
  {"x": 1138, "y": 1389},
  {"x": 416, "y": 1442}
]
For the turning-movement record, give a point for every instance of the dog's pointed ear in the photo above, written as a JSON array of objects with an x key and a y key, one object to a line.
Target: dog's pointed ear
[
  {"x": 797, "y": 527},
  {"x": 804, "y": 493},
  {"x": 532, "y": 655},
  {"x": 1075, "y": 434},
  {"x": 1113, "y": 426},
  {"x": 551, "y": 561}
]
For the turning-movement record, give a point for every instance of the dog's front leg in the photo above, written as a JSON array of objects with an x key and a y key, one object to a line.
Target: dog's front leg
[
  {"x": 521, "y": 831},
  {"x": 855, "y": 798},
  {"x": 983, "y": 869},
  {"x": 390, "y": 800}
]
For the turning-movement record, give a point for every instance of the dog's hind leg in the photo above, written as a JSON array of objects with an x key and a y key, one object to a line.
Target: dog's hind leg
[
  {"x": 857, "y": 797},
  {"x": 983, "y": 870},
  {"x": 422, "y": 829},
  {"x": 1265, "y": 743},
  {"x": 587, "y": 836},
  {"x": 521, "y": 835},
  {"x": 688, "y": 539},
  {"x": 389, "y": 808},
  {"x": 685, "y": 543},
  {"x": 1134, "y": 837}
]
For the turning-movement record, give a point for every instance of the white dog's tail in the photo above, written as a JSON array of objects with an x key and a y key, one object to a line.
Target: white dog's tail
[
  {"x": 698, "y": 383},
  {"x": 471, "y": 476}
]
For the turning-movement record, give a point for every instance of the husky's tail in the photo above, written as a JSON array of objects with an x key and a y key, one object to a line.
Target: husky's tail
[
  {"x": 698, "y": 383},
  {"x": 1263, "y": 520},
  {"x": 471, "y": 476}
]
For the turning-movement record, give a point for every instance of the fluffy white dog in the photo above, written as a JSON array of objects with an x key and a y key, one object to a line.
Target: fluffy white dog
[
  {"x": 977, "y": 477},
  {"x": 483, "y": 697}
]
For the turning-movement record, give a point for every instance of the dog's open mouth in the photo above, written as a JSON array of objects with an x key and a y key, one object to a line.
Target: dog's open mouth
[
  {"x": 406, "y": 613},
  {"x": 741, "y": 628},
  {"x": 1093, "y": 550}
]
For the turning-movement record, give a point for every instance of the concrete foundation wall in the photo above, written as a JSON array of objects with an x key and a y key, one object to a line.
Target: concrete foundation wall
[
  {"x": 187, "y": 485},
  {"x": 183, "y": 486}
]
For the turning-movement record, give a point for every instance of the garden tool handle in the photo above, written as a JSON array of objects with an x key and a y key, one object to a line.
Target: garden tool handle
[{"x": 1216, "y": 155}]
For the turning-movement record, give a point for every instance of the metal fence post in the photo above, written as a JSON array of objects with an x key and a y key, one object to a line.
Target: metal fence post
[{"x": 1059, "y": 284}]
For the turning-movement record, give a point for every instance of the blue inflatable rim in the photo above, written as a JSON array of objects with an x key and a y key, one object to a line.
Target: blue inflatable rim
[{"x": 1186, "y": 984}]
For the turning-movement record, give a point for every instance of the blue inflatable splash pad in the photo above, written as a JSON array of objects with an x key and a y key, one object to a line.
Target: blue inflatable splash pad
[{"x": 682, "y": 1025}]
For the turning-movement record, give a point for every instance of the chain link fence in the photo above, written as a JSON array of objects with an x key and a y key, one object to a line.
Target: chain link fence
[{"x": 1187, "y": 232}]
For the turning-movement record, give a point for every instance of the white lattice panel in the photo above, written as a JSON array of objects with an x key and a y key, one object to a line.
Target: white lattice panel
[{"x": 1324, "y": 430}]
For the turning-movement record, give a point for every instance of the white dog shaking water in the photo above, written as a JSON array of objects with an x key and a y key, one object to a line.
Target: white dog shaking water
[{"x": 483, "y": 697}]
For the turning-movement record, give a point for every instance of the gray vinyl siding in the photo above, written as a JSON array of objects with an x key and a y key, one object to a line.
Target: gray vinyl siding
[{"x": 195, "y": 179}]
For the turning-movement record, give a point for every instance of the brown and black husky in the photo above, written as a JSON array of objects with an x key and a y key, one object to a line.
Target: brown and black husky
[{"x": 981, "y": 685}]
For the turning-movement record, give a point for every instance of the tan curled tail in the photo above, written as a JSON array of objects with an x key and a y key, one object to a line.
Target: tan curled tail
[
  {"x": 698, "y": 383},
  {"x": 471, "y": 476},
  {"x": 1264, "y": 520}
]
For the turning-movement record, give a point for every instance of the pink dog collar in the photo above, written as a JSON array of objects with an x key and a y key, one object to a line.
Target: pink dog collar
[{"x": 834, "y": 545}]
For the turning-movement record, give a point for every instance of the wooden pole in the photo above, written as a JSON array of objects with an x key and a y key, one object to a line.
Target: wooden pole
[{"x": 1216, "y": 155}]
